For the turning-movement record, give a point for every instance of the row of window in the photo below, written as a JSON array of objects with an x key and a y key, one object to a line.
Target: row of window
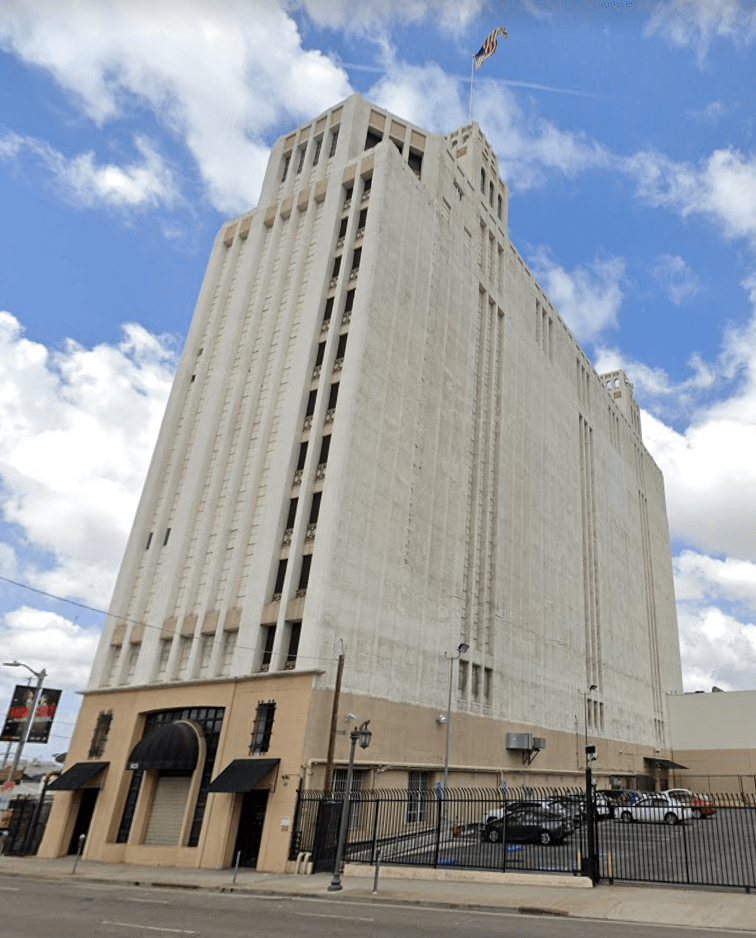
[
  {"x": 300, "y": 158},
  {"x": 477, "y": 680},
  {"x": 491, "y": 193}
]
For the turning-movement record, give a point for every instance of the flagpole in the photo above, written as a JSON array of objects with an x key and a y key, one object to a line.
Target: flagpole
[{"x": 472, "y": 75}]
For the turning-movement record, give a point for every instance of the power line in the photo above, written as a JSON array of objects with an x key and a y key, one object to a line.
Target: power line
[{"x": 146, "y": 625}]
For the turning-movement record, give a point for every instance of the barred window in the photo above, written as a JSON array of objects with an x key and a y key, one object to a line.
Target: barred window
[
  {"x": 263, "y": 727},
  {"x": 417, "y": 806}
]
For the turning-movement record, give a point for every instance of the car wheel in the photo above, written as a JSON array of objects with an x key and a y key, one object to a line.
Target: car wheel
[
  {"x": 670, "y": 818},
  {"x": 545, "y": 838},
  {"x": 627, "y": 817},
  {"x": 494, "y": 835},
  {"x": 697, "y": 813}
]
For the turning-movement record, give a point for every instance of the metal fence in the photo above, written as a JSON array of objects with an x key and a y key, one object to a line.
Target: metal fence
[{"x": 496, "y": 830}]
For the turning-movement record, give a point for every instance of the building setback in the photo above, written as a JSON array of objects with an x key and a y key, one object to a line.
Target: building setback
[{"x": 382, "y": 440}]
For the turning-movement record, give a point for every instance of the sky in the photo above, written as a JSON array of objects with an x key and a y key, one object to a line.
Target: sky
[{"x": 129, "y": 130}]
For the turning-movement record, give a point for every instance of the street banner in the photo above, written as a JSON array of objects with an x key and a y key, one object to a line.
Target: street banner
[{"x": 18, "y": 713}]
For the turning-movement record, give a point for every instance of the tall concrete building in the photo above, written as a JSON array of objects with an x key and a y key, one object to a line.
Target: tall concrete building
[{"x": 382, "y": 441}]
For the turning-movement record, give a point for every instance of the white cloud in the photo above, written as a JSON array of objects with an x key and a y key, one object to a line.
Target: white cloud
[
  {"x": 722, "y": 188},
  {"x": 698, "y": 576},
  {"x": 695, "y": 24},
  {"x": 716, "y": 649},
  {"x": 146, "y": 183},
  {"x": 654, "y": 385},
  {"x": 424, "y": 95},
  {"x": 222, "y": 75},
  {"x": 589, "y": 297},
  {"x": 44, "y": 639},
  {"x": 713, "y": 112},
  {"x": 367, "y": 15},
  {"x": 678, "y": 279},
  {"x": 77, "y": 429}
]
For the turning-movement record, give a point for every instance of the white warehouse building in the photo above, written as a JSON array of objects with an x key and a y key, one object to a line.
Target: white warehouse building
[{"x": 383, "y": 442}]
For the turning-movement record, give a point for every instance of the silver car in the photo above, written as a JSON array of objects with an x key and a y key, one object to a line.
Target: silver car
[{"x": 657, "y": 808}]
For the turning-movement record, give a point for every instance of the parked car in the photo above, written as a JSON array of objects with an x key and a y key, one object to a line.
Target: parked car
[
  {"x": 658, "y": 808},
  {"x": 699, "y": 804},
  {"x": 617, "y": 798},
  {"x": 546, "y": 804},
  {"x": 528, "y": 824}
]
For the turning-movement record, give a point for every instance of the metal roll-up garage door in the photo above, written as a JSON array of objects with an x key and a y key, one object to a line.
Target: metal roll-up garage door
[{"x": 168, "y": 806}]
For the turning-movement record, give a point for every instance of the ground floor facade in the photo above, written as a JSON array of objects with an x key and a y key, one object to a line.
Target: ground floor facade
[{"x": 200, "y": 774}]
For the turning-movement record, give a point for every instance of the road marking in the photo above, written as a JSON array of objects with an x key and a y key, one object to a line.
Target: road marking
[
  {"x": 9, "y": 888},
  {"x": 348, "y": 918},
  {"x": 155, "y": 901},
  {"x": 174, "y": 931}
]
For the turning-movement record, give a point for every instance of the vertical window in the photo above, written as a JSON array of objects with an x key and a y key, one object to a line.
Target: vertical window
[
  {"x": 483, "y": 181},
  {"x": 302, "y": 456},
  {"x": 339, "y": 789},
  {"x": 334, "y": 143},
  {"x": 286, "y": 164},
  {"x": 372, "y": 139},
  {"x": 114, "y": 655},
  {"x": 294, "y": 636},
  {"x": 319, "y": 354},
  {"x": 185, "y": 646},
  {"x": 206, "y": 650},
  {"x": 356, "y": 258},
  {"x": 500, "y": 207},
  {"x": 292, "y": 513},
  {"x": 311, "y": 403},
  {"x": 263, "y": 727},
  {"x": 269, "y": 638},
  {"x": 415, "y": 161},
  {"x": 301, "y": 160},
  {"x": 348, "y": 305},
  {"x": 362, "y": 219},
  {"x": 343, "y": 227},
  {"x": 328, "y": 311},
  {"x": 487, "y": 685},
  {"x": 229, "y": 646},
  {"x": 490, "y": 194},
  {"x": 333, "y": 396},
  {"x": 336, "y": 266},
  {"x": 325, "y": 447},
  {"x": 348, "y": 195},
  {"x": 132, "y": 661},
  {"x": 149, "y": 541},
  {"x": 100, "y": 734},
  {"x": 367, "y": 186},
  {"x": 315, "y": 507},
  {"x": 418, "y": 784},
  {"x": 280, "y": 577},
  {"x": 316, "y": 154},
  {"x": 341, "y": 348},
  {"x": 167, "y": 535},
  {"x": 304, "y": 573},
  {"x": 462, "y": 683},
  {"x": 475, "y": 681},
  {"x": 165, "y": 651}
]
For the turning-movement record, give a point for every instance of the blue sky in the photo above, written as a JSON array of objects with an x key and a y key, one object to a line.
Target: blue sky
[{"x": 130, "y": 130}]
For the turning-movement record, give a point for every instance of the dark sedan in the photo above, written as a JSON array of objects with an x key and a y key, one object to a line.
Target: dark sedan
[{"x": 528, "y": 825}]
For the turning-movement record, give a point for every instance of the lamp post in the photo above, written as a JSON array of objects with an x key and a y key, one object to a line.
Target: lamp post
[
  {"x": 462, "y": 649},
  {"x": 591, "y": 864},
  {"x": 363, "y": 734},
  {"x": 40, "y": 676}
]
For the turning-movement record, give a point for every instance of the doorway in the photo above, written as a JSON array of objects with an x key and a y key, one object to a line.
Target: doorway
[
  {"x": 251, "y": 820},
  {"x": 83, "y": 817}
]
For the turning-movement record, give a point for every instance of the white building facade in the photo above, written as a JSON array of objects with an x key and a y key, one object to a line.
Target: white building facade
[{"x": 382, "y": 441}]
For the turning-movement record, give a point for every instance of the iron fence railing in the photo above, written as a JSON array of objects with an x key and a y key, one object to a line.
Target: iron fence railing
[{"x": 711, "y": 843}]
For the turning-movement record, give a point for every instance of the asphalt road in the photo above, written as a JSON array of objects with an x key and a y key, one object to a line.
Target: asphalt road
[{"x": 39, "y": 909}]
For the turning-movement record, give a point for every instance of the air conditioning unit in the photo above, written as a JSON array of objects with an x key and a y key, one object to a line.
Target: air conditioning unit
[
  {"x": 522, "y": 741},
  {"x": 539, "y": 742}
]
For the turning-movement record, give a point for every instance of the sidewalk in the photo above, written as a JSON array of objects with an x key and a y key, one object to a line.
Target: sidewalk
[{"x": 544, "y": 895}]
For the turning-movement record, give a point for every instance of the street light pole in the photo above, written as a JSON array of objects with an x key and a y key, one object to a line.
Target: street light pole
[
  {"x": 462, "y": 649},
  {"x": 363, "y": 734},
  {"x": 591, "y": 860},
  {"x": 40, "y": 676}
]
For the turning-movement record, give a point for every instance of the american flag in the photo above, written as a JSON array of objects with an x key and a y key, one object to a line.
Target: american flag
[{"x": 489, "y": 46}]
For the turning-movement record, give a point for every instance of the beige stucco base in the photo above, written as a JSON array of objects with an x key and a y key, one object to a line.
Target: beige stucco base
[
  {"x": 469, "y": 876},
  {"x": 405, "y": 738}
]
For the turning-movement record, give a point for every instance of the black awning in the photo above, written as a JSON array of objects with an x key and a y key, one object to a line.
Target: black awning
[
  {"x": 171, "y": 746},
  {"x": 242, "y": 774},
  {"x": 77, "y": 776},
  {"x": 664, "y": 763}
]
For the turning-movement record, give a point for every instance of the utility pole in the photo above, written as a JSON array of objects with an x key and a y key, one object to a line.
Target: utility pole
[{"x": 334, "y": 726}]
